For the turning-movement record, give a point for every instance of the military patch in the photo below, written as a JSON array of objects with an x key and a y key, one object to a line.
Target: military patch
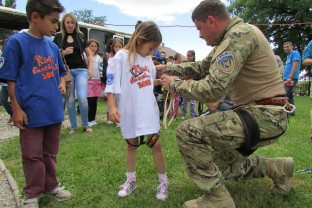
[
  {"x": 109, "y": 79},
  {"x": 1, "y": 61},
  {"x": 225, "y": 62}
]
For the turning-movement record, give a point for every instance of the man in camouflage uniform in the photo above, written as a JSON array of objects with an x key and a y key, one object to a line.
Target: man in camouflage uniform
[{"x": 215, "y": 147}]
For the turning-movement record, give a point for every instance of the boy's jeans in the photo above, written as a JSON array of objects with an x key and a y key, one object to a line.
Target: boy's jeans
[
  {"x": 79, "y": 84},
  {"x": 39, "y": 148}
]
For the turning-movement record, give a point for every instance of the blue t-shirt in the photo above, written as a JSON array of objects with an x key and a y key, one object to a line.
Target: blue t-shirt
[
  {"x": 36, "y": 66},
  {"x": 291, "y": 57},
  {"x": 307, "y": 53}
]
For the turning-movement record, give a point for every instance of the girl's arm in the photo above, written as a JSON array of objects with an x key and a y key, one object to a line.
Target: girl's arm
[
  {"x": 89, "y": 61},
  {"x": 114, "y": 114}
]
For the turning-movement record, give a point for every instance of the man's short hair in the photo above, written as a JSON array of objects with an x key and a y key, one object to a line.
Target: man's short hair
[
  {"x": 43, "y": 7},
  {"x": 288, "y": 43},
  {"x": 207, "y": 8}
]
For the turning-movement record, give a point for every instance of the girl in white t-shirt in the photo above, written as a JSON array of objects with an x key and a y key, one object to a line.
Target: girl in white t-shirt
[
  {"x": 94, "y": 83},
  {"x": 131, "y": 73}
]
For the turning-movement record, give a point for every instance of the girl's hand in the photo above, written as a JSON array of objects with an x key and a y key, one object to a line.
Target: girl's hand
[
  {"x": 68, "y": 50},
  {"x": 90, "y": 74},
  {"x": 62, "y": 88},
  {"x": 114, "y": 115}
]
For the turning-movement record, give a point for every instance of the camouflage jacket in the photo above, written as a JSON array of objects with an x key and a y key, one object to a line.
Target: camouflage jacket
[{"x": 242, "y": 65}]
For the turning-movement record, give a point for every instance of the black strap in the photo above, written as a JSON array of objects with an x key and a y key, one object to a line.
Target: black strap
[{"x": 251, "y": 130}]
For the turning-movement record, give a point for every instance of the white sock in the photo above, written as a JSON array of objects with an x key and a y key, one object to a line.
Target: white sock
[
  {"x": 130, "y": 175},
  {"x": 162, "y": 176}
]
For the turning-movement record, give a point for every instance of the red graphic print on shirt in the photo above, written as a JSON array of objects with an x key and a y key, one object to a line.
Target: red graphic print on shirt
[{"x": 140, "y": 75}]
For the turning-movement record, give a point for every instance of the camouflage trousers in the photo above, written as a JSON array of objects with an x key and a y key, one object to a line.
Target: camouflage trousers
[{"x": 208, "y": 144}]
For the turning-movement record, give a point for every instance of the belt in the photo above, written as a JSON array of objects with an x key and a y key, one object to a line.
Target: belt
[{"x": 273, "y": 101}]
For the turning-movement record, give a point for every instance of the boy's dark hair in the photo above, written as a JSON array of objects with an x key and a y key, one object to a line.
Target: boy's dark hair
[
  {"x": 43, "y": 7},
  {"x": 170, "y": 57}
]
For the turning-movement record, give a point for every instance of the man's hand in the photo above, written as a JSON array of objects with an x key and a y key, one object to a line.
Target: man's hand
[
  {"x": 166, "y": 81},
  {"x": 162, "y": 68}
]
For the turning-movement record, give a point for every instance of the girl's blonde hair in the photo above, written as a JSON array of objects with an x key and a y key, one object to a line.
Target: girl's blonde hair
[
  {"x": 96, "y": 42},
  {"x": 115, "y": 41},
  {"x": 144, "y": 32},
  {"x": 63, "y": 29}
]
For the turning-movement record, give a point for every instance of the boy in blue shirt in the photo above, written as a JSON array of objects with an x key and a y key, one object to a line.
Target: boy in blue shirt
[{"x": 33, "y": 68}]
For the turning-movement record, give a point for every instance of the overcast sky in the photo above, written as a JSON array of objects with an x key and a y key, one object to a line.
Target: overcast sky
[{"x": 164, "y": 12}]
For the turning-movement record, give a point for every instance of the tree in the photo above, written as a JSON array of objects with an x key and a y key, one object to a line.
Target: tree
[
  {"x": 279, "y": 20},
  {"x": 4, "y": 33},
  {"x": 86, "y": 16},
  {"x": 10, "y": 3}
]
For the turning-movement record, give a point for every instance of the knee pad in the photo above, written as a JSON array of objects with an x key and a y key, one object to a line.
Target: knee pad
[
  {"x": 152, "y": 139},
  {"x": 140, "y": 140}
]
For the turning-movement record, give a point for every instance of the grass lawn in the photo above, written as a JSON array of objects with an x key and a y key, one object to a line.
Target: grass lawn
[{"x": 92, "y": 167}]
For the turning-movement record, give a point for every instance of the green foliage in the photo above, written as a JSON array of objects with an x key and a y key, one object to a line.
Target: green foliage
[
  {"x": 278, "y": 12},
  {"x": 4, "y": 33},
  {"x": 10, "y": 3},
  {"x": 86, "y": 16},
  {"x": 92, "y": 167}
]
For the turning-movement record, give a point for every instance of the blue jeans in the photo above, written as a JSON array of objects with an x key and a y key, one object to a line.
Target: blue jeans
[
  {"x": 192, "y": 107},
  {"x": 79, "y": 83},
  {"x": 290, "y": 92},
  {"x": 4, "y": 95}
]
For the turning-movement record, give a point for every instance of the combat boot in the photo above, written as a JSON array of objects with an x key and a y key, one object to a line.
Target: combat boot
[
  {"x": 280, "y": 170},
  {"x": 218, "y": 198}
]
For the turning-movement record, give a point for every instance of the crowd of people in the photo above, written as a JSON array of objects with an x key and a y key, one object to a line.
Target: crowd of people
[{"x": 248, "y": 93}]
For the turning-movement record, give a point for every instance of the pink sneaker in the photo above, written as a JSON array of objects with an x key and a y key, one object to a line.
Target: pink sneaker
[
  {"x": 162, "y": 189},
  {"x": 127, "y": 188}
]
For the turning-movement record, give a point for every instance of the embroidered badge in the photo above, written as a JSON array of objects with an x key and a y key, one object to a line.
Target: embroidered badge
[
  {"x": 225, "y": 62},
  {"x": 109, "y": 79},
  {"x": 1, "y": 61}
]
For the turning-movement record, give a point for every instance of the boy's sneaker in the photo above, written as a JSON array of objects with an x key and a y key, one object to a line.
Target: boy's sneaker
[
  {"x": 127, "y": 188},
  {"x": 60, "y": 194},
  {"x": 30, "y": 203},
  {"x": 162, "y": 189}
]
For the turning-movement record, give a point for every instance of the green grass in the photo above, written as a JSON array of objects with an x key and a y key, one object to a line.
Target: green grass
[{"x": 92, "y": 167}]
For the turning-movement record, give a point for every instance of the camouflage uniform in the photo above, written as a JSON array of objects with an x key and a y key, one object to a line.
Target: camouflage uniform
[{"x": 244, "y": 66}]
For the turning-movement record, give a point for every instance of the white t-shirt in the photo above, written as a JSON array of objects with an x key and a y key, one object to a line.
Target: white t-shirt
[{"x": 137, "y": 106}]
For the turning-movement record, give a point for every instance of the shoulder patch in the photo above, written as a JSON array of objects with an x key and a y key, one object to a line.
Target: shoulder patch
[
  {"x": 225, "y": 62},
  {"x": 1, "y": 61},
  {"x": 109, "y": 79}
]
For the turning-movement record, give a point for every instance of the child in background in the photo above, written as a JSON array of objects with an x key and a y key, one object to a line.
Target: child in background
[
  {"x": 131, "y": 73},
  {"x": 94, "y": 83},
  {"x": 190, "y": 58},
  {"x": 35, "y": 72},
  {"x": 115, "y": 47}
]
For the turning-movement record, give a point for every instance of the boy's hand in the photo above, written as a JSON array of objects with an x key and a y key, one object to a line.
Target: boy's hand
[
  {"x": 62, "y": 88},
  {"x": 114, "y": 114},
  {"x": 20, "y": 119}
]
